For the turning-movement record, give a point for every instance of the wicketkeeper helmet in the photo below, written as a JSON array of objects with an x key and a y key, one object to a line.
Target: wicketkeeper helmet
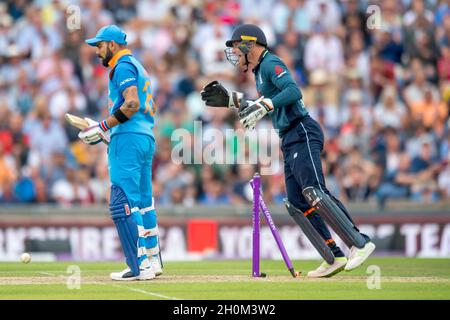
[{"x": 247, "y": 35}]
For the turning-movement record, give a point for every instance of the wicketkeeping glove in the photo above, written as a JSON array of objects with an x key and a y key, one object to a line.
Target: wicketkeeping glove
[
  {"x": 94, "y": 133},
  {"x": 251, "y": 112},
  {"x": 215, "y": 95}
]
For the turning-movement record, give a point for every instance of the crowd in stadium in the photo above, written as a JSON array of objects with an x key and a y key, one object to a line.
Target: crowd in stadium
[{"x": 375, "y": 74}]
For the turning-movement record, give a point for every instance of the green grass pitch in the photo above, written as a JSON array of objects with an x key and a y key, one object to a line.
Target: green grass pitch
[{"x": 400, "y": 278}]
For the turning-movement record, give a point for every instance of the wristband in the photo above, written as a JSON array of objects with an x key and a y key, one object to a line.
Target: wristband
[
  {"x": 104, "y": 126},
  {"x": 120, "y": 116}
]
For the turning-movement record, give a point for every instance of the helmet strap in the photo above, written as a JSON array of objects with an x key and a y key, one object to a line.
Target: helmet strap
[
  {"x": 246, "y": 62},
  {"x": 245, "y": 47}
]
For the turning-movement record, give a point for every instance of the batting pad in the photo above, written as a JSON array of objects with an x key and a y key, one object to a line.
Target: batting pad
[
  {"x": 334, "y": 216},
  {"x": 126, "y": 227},
  {"x": 150, "y": 229},
  {"x": 310, "y": 232}
]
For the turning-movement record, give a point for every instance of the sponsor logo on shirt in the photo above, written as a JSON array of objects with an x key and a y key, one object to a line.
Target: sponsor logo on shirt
[{"x": 126, "y": 80}]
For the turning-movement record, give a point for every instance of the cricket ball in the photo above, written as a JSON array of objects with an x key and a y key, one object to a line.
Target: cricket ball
[{"x": 25, "y": 257}]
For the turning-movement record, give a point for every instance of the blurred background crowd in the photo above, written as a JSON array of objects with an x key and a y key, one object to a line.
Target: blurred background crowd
[{"x": 375, "y": 74}]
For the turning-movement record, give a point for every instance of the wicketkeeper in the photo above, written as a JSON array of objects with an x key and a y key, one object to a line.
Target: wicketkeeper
[
  {"x": 129, "y": 127},
  {"x": 309, "y": 201}
]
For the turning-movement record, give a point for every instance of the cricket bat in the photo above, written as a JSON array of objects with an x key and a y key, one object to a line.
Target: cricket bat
[{"x": 79, "y": 123}]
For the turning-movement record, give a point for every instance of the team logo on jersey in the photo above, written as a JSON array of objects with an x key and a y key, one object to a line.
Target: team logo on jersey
[
  {"x": 260, "y": 78},
  {"x": 127, "y": 210},
  {"x": 279, "y": 71}
]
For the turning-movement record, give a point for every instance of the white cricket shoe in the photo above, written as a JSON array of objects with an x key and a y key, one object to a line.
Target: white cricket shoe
[
  {"x": 156, "y": 265},
  {"x": 326, "y": 270},
  {"x": 127, "y": 275},
  {"x": 146, "y": 274},
  {"x": 124, "y": 275},
  {"x": 358, "y": 256}
]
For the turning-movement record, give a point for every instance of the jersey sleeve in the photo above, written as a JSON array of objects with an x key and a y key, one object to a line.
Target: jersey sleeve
[
  {"x": 282, "y": 79},
  {"x": 125, "y": 76}
]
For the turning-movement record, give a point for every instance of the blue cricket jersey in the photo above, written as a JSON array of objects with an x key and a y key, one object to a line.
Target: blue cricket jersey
[{"x": 127, "y": 71}]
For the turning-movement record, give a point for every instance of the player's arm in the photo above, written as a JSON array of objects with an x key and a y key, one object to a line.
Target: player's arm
[
  {"x": 282, "y": 79},
  {"x": 125, "y": 77},
  {"x": 279, "y": 75},
  {"x": 126, "y": 111}
]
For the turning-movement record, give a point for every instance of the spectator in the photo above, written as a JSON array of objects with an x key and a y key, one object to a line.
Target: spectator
[
  {"x": 8, "y": 174},
  {"x": 355, "y": 131},
  {"x": 354, "y": 20},
  {"x": 326, "y": 11},
  {"x": 46, "y": 138},
  {"x": 417, "y": 11},
  {"x": 392, "y": 16},
  {"x": 423, "y": 187},
  {"x": 152, "y": 11},
  {"x": 382, "y": 73},
  {"x": 387, "y": 47},
  {"x": 321, "y": 106},
  {"x": 214, "y": 193},
  {"x": 358, "y": 58},
  {"x": 415, "y": 91},
  {"x": 241, "y": 189},
  {"x": 444, "y": 180},
  {"x": 396, "y": 182},
  {"x": 358, "y": 176},
  {"x": 443, "y": 65},
  {"x": 73, "y": 189},
  {"x": 99, "y": 183},
  {"x": 389, "y": 111},
  {"x": 291, "y": 15},
  {"x": 330, "y": 60},
  {"x": 429, "y": 111}
]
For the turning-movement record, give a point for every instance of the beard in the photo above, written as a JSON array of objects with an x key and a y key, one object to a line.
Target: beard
[{"x": 107, "y": 58}]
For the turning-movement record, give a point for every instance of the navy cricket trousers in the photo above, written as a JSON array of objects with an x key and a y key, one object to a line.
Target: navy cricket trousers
[{"x": 302, "y": 146}]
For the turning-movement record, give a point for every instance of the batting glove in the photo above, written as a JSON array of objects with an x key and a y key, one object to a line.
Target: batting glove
[
  {"x": 251, "y": 112},
  {"x": 215, "y": 95},
  {"x": 95, "y": 133}
]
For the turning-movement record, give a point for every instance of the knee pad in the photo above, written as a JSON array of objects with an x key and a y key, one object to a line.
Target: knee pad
[{"x": 127, "y": 227}]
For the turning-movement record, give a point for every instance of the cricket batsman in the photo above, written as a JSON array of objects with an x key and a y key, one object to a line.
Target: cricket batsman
[
  {"x": 129, "y": 130},
  {"x": 308, "y": 200}
]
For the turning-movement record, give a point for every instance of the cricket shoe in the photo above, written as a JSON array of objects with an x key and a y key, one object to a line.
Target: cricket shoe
[
  {"x": 127, "y": 275},
  {"x": 156, "y": 265},
  {"x": 358, "y": 256},
  {"x": 326, "y": 270},
  {"x": 146, "y": 274}
]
